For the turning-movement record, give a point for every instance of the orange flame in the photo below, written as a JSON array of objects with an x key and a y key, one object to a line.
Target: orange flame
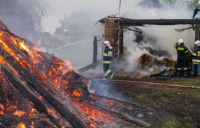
[
  {"x": 21, "y": 125},
  {"x": 33, "y": 110},
  {"x": 32, "y": 125},
  {"x": 77, "y": 93},
  {"x": 1, "y": 109},
  {"x": 23, "y": 46},
  {"x": 92, "y": 125},
  {"x": 19, "y": 113}
]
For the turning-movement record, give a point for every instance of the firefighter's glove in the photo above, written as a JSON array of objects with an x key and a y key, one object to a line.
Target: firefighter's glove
[{"x": 194, "y": 54}]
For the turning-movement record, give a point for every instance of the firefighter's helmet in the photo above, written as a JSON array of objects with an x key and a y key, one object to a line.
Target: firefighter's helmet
[
  {"x": 108, "y": 44},
  {"x": 180, "y": 41},
  {"x": 196, "y": 43}
]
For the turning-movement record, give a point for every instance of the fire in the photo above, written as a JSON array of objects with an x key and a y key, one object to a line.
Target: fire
[
  {"x": 9, "y": 50},
  {"x": 21, "y": 125},
  {"x": 33, "y": 110},
  {"x": 20, "y": 44},
  {"x": 92, "y": 125},
  {"x": 1, "y": 109},
  {"x": 46, "y": 68},
  {"x": 23, "y": 46},
  {"x": 1, "y": 33},
  {"x": 96, "y": 115},
  {"x": 1, "y": 59},
  {"x": 32, "y": 125},
  {"x": 19, "y": 113},
  {"x": 77, "y": 92}
]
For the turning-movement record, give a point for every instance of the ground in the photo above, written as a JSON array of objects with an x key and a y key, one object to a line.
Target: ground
[{"x": 175, "y": 107}]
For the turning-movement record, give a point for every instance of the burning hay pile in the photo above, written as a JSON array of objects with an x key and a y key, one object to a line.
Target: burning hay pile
[
  {"x": 148, "y": 64},
  {"x": 37, "y": 90}
]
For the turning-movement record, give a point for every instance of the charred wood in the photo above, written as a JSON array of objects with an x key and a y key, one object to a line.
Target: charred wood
[
  {"x": 35, "y": 83},
  {"x": 26, "y": 92},
  {"x": 120, "y": 115},
  {"x": 32, "y": 69},
  {"x": 141, "y": 22}
]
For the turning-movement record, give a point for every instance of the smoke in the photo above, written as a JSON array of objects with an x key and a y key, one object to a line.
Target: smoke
[
  {"x": 82, "y": 15},
  {"x": 78, "y": 24},
  {"x": 81, "y": 27},
  {"x": 23, "y": 17},
  {"x": 156, "y": 36}
]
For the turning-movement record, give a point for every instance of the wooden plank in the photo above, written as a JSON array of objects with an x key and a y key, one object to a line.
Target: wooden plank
[
  {"x": 141, "y": 22},
  {"x": 119, "y": 115},
  {"x": 26, "y": 92},
  {"x": 35, "y": 83}
]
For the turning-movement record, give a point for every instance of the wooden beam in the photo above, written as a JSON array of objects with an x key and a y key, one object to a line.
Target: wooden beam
[
  {"x": 141, "y": 22},
  {"x": 35, "y": 83},
  {"x": 116, "y": 114},
  {"x": 27, "y": 93},
  {"x": 38, "y": 74}
]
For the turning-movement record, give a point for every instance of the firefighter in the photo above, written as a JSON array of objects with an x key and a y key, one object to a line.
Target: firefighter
[
  {"x": 196, "y": 59},
  {"x": 107, "y": 56},
  {"x": 181, "y": 59}
]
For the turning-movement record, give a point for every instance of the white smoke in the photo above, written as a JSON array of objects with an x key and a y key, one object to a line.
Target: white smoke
[
  {"x": 165, "y": 36},
  {"x": 89, "y": 12}
]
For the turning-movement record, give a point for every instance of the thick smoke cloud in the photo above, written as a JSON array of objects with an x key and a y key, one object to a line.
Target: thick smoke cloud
[
  {"x": 23, "y": 17},
  {"x": 165, "y": 36},
  {"x": 88, "y": 12}
]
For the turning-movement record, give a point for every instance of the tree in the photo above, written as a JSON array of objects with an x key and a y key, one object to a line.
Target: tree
[
  {"x": 80, "y": 25},
  {"x": 150, "y": 4},
  {"x": 23, "y": 17},
  {"x": 189, "y": 3},
  {"x": 166, "y": 3}
]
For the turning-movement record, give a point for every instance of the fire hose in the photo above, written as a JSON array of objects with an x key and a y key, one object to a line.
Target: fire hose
[
  {"x": 150, "y": 83},
  {"x": 190, "y": 50}
]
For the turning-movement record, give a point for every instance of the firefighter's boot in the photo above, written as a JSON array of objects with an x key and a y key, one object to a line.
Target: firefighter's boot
[
  {"x": 178, "y": 73},
  {"x": 185, "y": 74}
]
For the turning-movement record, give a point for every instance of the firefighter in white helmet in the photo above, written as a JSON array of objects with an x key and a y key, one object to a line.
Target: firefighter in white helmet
[
  {"x": 181, "y": 58},
  {"x": 196, "y": 59},
  {"x": 107, "y": 57}
]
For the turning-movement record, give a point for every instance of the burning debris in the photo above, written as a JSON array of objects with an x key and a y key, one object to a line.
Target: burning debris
[
  {"x": 44, "y": 89},
  {"x": 151, "y": 63}
]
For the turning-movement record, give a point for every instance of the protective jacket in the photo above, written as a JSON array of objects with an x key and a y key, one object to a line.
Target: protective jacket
[
  {"x": 181, "y": 49},
  {"x": 197, "y": 57},
  {"x": 181, "y": 59},
  {"x": 107, "y": 55}
]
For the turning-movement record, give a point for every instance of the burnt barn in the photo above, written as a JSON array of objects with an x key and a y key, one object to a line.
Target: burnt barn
[{"x": 114, "y": 28}]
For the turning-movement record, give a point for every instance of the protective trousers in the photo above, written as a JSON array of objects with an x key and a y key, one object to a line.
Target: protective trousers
[
  {"x": 107, "y": 71},
  {"x": 181, "y": 62}
]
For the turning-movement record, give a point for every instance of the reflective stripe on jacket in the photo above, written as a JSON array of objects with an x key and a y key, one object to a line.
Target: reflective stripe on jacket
[
  {"x": 107, "y": 55},
  {"x": 196, "y": 59},
  {"x": 181, "y": 49}
]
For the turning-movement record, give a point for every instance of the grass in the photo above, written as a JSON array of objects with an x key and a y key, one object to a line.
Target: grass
[
  {"x": 181, "y": 105},
  {"x": 181, "y": 81},
  {"x": 173, "y": 123}
]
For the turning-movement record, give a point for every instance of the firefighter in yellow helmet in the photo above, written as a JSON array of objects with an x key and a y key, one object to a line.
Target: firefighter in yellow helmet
[{"x": 107, "y": 57}]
